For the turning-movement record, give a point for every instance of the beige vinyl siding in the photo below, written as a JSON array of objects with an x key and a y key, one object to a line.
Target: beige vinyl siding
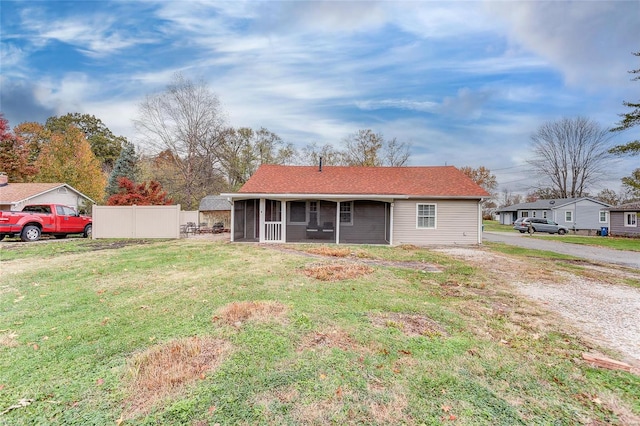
[{"x": 456, "y": 223}]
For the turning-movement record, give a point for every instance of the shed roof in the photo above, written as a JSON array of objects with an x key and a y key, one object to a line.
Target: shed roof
[
  {"x": 433, "y": 181},
  {"x": 214, "y": 203}
]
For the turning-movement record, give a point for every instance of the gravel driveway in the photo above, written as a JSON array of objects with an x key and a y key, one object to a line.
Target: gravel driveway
[
  {"x": 598, "y": 254},
  {"x": 607, "y": 313}
]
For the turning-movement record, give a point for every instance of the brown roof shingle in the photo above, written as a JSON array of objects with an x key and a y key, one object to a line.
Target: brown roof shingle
[
  {"x": 16, "y": 192},
  {"x": 433, "y": 181}
]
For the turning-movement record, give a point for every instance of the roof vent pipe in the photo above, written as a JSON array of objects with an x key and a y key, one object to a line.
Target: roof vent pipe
[{"x": 320, "y": 165}]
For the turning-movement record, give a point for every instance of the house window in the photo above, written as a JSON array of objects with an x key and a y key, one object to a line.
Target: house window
[
  {"x": 426, "y": 216},
  {"x": 544, "y": 214},
  {"x": 534, "y": 214},
  {"x": 630, "y": 219},
  {"x": 346, "y": 213},
  {"x": 524, "y": 214},
  {"x": 603, "y": 216},
  {"x": 568, "y": 216},
  {"x": 313, "y": 212},
  {"x": 297, "y": 212}
]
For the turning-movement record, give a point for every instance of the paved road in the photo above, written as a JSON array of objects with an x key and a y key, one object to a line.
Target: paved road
[{"x": 605, "y": 255}]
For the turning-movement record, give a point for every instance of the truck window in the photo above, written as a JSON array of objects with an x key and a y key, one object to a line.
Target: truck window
[
  {"x": 37, "y": 209},
  {"x": 65, "y": 211}
]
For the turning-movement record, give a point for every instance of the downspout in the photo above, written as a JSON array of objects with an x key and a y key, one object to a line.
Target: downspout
[
  {"x": 391, "y": 205},
  {"x": 480, "y": 226}
]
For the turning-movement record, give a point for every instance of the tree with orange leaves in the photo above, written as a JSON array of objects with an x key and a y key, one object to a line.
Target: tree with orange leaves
[
  {"x": 67, "y": 158},
  {"x": 15, "y": 155}
]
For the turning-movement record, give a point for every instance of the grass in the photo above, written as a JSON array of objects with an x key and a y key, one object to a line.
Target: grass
[
  {"x": 616, "y": 243},
  {"x": 196, "y": 332}
]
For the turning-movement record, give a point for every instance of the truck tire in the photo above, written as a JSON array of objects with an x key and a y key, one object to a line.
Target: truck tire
[
  {"x": 87, "y": 231},
  {"x": 30, "y": 233}
]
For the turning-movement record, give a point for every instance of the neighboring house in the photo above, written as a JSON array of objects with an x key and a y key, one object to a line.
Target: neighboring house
[
  {"x": 575, "y": 213},
  {"x": 358, "y": 205},
  {"x": 215, "y": 209},
  {"x": 624, "y": 220},
  {"x": 14, "y": 196}
]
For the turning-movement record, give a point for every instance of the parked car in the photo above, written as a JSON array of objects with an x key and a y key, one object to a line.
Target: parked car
[{"x": 539, "y": 225}]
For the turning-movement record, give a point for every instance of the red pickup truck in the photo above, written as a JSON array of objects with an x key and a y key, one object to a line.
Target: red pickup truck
[{"x": 37, "y": 219}]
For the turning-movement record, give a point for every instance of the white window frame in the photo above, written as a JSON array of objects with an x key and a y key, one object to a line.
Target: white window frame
[
  {"x": 343, "y": 204},
  {"x": 544, "y": 215},
  {"x": 524, "y": 214},
  {"x": 534, "y": 214},
  {"x": 316, "y": 204},
  {"x": 435, "y": 216},
  {"x": 603, "y": 213},
  {"x": 568, "y": 216},
  {"x": 631, "y": 219}
]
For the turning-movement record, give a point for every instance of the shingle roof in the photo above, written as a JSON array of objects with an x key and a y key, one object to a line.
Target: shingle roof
[
  {"x": 435, "y": 181},
  {"x": 214, "y": 203},
  {"x": 629, "y": 207},
  {"x": 546, "y": 204},
  {"x": 17, "y": 192}
]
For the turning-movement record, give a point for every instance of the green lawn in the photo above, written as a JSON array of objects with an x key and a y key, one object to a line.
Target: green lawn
[
  {"x": 617, "y": 243},
  {"x": 198, "y": 332}
]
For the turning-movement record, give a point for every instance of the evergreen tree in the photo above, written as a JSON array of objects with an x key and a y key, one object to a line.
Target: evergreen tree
[{"x": 126, "y": 166}]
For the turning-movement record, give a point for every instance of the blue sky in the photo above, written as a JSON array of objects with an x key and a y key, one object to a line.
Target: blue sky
[{"x": 465, "y": 83}]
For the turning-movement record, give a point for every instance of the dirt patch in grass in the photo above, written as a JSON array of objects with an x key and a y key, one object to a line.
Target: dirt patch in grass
[
  {"x": 8, "y": 339},
  {"x": 163, "y": 371},
  {"x": 109, "y": 245},
  {"x": 329, "y": 251},
  {"x": 337, "y": 272},
  {"x": 410, "y": 324},
  {"x": 334, "y": 338},
  {"x": 237, "y": 313}
]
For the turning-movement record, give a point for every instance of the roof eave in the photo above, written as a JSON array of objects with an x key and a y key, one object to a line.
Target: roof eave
[{"x": 247, "y": 195}]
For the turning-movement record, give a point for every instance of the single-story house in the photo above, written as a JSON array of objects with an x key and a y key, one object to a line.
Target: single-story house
[
  {"x": 215, "y": 209},
  {"x": 358, "y": 205},
  {"x": 623, "y": 220},
  {"x": 575, "y": 213},
  {"x": 14, "y": 196}
]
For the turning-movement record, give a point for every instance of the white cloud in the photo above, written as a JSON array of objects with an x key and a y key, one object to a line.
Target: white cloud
[
  {"x": 406, "y": 104},
  {"x": 589, "y": 41},
  {"x": 95, "y": 35}
]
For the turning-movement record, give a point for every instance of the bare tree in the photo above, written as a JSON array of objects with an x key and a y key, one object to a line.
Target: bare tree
[
  {"x": 365, "y": 148},
  {"x": 186, "y": 120},
  {"x": 396, "y": 153},
  {"x": 311, "y": 155},
  {"x": 570, "y": 154},
  {"x": 243, "y": 150}
]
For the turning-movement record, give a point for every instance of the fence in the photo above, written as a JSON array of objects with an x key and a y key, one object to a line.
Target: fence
[{"x": 139, "y": 221}]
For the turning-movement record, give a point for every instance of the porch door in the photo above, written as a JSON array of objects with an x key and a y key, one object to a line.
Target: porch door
[{"x": 273, "y": 221}]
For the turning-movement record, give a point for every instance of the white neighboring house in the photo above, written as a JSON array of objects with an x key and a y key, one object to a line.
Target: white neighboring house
[
  {"x": 14, "y": 196},
  {"x": 575, "y": 213}
]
